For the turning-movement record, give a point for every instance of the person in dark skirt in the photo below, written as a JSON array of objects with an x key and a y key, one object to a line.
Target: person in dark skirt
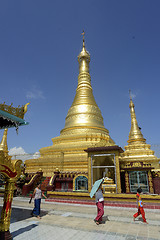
[{"x": 37, "y": 195}]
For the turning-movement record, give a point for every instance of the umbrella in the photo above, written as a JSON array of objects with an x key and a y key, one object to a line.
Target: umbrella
[{"x": 96, "y": 186}]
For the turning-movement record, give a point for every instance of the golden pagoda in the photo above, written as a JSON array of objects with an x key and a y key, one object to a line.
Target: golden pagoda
[
  {"x": 83, "y": 129},
  {"x": 138, "y": 160}
]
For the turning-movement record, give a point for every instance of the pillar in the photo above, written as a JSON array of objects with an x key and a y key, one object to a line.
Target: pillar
[
  {"x": 6, "y": 210},
  {"x": 127, "y": 182},
  {"x": 150, "y": 182},
  {"x": 118, "y": 177},
  {"x": 89, "y": 174}
]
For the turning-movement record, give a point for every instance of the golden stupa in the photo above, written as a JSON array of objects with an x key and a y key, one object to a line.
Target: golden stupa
[
  {"x": 83, "y": 129},
  {"x": 137, "y": 148},
  {"x": 138, "y": 160}
]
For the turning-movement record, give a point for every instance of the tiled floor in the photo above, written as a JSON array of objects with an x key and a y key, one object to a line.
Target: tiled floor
[{"x": 67, "y": 222}]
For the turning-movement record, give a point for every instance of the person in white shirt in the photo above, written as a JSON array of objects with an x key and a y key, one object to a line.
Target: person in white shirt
[{"x": 37, "y": 194}]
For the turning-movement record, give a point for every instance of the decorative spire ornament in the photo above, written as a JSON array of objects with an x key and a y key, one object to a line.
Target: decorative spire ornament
[
  {"x": 3, "y": 144},
  {"x": 135, "y": 132}
]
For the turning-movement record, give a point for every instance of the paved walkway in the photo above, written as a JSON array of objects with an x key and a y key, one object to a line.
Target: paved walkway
[{"x": 68, "y": 222}]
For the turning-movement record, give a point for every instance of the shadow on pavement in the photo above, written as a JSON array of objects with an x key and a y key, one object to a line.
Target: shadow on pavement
[
  {"x": 105, "y": 218},
  {"x": 22, "y": 214},
  {"x": 22, "y": 230},
  {"x": 139, "y": 219},
  {"x": 19, "y": 214}
]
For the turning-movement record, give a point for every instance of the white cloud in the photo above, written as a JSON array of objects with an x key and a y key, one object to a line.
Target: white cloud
[
  {"x": 35, "y": 94},
  {"x": 36, "y": 155},
  {"x": 16, "y": 151},
  {"x": 19, "y": 153}
]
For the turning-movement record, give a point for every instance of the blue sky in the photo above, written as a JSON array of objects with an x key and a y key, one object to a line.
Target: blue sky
[{"x": 39, "y": 45}]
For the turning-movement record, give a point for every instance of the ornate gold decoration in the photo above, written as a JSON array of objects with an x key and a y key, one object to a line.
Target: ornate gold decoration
[
  {"x": 150, "y": 182},
  {"x": 11, "y": 171},
  {"x": 3, "y": 144},
  {"x": 118, "y": 174},
  {"x": 156, "y": 172},
  {"x": 18, "y": 112},
  {"x": 50, "y": 181},
  {"x": 136, "y": 165},
  {"x": 127, "y": 182},
  {"x": 6, "y": 211},
  {"x": 108, "y": 185}
]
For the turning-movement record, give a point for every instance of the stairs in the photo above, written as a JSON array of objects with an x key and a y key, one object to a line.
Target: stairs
[{"x": 44, "y": 184}]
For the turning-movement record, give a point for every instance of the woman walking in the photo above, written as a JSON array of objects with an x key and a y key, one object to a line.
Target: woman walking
[
  {"x": 100, "y": 205},
  {"x": 37, "y": 194}
]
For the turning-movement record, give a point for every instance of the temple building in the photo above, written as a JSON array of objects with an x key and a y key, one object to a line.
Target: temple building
[{"x": 85, "y": 152}]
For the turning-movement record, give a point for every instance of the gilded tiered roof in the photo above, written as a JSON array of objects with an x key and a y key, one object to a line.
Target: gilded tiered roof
[
  {"x": 137, "y": 148},
  {"x": 84, "y": 122},
  {"x": 84, "y": 114}
]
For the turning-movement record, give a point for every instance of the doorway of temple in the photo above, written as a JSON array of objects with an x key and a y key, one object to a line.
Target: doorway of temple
[{"x": 103, "y": 165}]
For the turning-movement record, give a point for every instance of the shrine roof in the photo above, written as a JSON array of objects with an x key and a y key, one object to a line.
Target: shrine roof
[
  {"x": 101, "y": 149},
  {"x": 8, "y": 120}
]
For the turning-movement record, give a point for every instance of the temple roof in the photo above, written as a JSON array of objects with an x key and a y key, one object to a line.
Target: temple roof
[
  {"x": 12, "y": 117},
  {"x": 108, "y": 148},
  {"x": 8, "y": 120}
]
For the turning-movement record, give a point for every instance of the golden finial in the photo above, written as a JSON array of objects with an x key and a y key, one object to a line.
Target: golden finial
[
  {"x": 3, "y": 144},
  {"x": 83, "y": 57},
  {"x": 131, "y": 102},
  {"x": 83, "y": 33},
  {"x": 135, "y": 132},
  {"x": 25, "y": 107}
]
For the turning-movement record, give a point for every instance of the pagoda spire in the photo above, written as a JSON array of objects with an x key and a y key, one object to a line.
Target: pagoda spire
[
  {"x": 135, "y": 132},
  {"x": 3, "y": 144},
  {"x": 137, "y": 148},
  {"x": 84, "y": 58},
  {"x": 84, "y": 112}
]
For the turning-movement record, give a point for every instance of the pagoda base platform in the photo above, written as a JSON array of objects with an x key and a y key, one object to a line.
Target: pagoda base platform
[{"x": 112, "y": 200}]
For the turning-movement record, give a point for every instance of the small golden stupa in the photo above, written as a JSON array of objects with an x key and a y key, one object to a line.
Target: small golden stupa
[
  {"x": 138, "y": 160},
  {"x": 83, "y": 129},
  {"x": 137, "y": 148}
]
